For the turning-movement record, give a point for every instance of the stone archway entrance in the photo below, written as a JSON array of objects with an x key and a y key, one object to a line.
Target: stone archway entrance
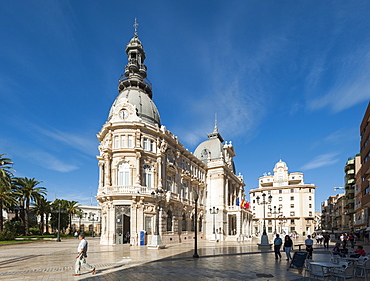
[{"x": 122, "y": 220}]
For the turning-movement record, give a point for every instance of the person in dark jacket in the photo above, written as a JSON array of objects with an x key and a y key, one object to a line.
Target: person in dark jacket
[{"x": 288, "y": 245}]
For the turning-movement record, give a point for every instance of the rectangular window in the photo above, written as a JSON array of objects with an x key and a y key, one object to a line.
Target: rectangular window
[
  {"x": 292, "y": 214},
  {"x": 292, "y": 228},
  {"x": 269, "y": 229},
  {"x": 292, "y": 221},
  {"x": 123, "y": 178},
  {"x": 309, "y": 198},
  {"x": 292, "y": 191},
  {"x": 310, "y": 214},
  {"x": 148, "y": 225},
  {"x": 291, "y": 205},
  {"x": 123, "y": 141},
  {"x": 309, "y": 206},
  {"x": 147, "y": 179},
  {"x": 116, "y": 143},
  {"x": 130, "y": 142},
  {"x": 169, "y": 183},
  {"x": 291, "y": 197},
  {"x": 280, "y": 198},
  {"x": 269, "y": 192},
  {"x": 280, "y": 191},
  {"x": 152, "y": 146},
  {"x": 145, "y": 144}
]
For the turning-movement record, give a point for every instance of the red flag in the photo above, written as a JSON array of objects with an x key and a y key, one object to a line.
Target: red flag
[{"x": 246, "y": 205}]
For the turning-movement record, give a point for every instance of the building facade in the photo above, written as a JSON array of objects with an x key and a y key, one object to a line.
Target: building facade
[
  {"x": 150, "y": 183},
  {"x": 88, "y": 221},
  {"x": 365, "y": 167},
  {"x": 349, "y": 186},
  {"x": 292, "y": 206}
]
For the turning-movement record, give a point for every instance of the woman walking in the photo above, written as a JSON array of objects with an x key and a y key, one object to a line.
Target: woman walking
[{"x": 288, "y": 245}]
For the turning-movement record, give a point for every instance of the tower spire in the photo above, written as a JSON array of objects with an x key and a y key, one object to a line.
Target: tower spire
[
  {"x": 215, "y": 130},
  {"x": 215, "y": 134},
  {"x": 135, "y": 28}
]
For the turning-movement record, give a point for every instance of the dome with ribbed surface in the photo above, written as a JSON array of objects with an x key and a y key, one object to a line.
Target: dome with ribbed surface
[
  {"x": 133, "y": 85},
  {"x": 145, "y": 107}
]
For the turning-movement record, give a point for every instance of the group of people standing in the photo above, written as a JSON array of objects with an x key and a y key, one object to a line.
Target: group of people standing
[
  {"x": 287, "y": 245},
  {"x": 348, "y": 238}
]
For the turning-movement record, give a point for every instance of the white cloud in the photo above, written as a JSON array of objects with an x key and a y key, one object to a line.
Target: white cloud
[
  {"x": 50, "y": 162},
  {"x": 351, "y": 83},
  {"x": 85, "y": 145},
  {"x": 321, "y": 161}
]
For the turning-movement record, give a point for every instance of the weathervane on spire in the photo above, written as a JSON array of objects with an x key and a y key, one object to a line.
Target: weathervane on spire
[
  {"x": 215, "y": 121},
  {"x": 135, "y": 28}
]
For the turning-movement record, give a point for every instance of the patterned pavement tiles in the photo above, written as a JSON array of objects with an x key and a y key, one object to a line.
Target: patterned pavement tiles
[{"x": 218, "y": 261}]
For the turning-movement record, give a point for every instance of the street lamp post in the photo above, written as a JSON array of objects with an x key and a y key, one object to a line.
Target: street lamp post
[
  {"x": 157, "y": 196},
  {"x": 282, "y": 221},
  {"x": 264, "y": 238},
  {"x": 79, "y": 226},
  {"x": 213, "y": 211},
  {"x": 58, "y": 237},
  {"x": 195, "y": 194},
  {"x": 275, "y": 213}
]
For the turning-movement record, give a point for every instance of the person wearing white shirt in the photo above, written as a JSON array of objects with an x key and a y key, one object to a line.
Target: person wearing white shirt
[
  {"x": 309, "y": 246},
  {"x": 81, "y": 256}
]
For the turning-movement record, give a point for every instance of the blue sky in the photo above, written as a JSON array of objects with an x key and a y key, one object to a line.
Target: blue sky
[{"x": 287, "y": 79}]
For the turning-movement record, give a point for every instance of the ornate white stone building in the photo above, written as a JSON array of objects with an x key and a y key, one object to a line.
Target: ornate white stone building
[
  {"x": 140, "y": 160},
  {"x": 292, "y": 206}
]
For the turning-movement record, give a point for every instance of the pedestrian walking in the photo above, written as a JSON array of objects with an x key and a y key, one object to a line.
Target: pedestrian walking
[
  {"x": 309, "y": 246},
  {"x": 277, "y": 245},
  {"x": 351, "y": 239},
  {"x": 81, "y": 256},
  {"x": 326, "y": 240},
  {"x": 288, "y": 245}
]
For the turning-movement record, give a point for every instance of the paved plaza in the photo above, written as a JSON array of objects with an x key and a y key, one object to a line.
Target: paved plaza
[{"x": 218, "y": 261}]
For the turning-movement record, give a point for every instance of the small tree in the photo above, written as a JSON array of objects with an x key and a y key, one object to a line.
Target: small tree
[
  {"x": 72, "y": 209},
  {"x": 29, "y": 193},
  {"x": 6, "y": 197},
  {"x": 56, "y": 206},
  {"x": 42, "y": 209}
]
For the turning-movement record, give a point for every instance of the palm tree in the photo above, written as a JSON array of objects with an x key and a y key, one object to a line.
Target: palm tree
[
  {"x": 42, "y": 209},
  {"x": 6, "y": 197},
  {"x": 72, "y": 208},
  {"x": 29, "y": 193}
]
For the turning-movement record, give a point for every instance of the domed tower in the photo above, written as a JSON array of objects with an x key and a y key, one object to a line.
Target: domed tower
[
  {"x": 148, "y": 181},
  {"x": 224, "y": 188},
  {"x": 128, "y": 146},
  {"x": 134, "y": 88}
]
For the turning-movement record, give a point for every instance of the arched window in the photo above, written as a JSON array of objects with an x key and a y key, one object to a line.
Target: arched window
[
  {"x": 124, "y": 174},
  {"x": 147, "y": 176},
  {"x": 169, "y": 220},
  {"x": 183, "y": 222}
]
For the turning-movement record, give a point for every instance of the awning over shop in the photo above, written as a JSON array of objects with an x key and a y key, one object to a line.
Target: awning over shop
[{"x": 364, "y": 229}]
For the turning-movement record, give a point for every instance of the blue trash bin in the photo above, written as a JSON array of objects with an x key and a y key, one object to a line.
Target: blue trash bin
[{"x": 142, "y": 238}]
